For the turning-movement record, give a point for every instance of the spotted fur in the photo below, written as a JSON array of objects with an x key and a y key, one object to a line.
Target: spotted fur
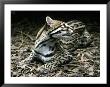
[
  {"x": 59, "y": 41},
  {"x": 45, "y": 47},
  {"x": 69, "y": 36}
]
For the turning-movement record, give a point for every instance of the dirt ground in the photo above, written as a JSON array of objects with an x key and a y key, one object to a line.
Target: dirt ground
[{"x": 85, "y": 63}]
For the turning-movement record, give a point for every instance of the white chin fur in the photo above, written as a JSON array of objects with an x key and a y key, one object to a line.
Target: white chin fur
[{"x": 45, "y": 59}]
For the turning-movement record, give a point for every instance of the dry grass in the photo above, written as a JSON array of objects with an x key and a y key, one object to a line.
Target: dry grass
[{"x": 85, "y": 63}]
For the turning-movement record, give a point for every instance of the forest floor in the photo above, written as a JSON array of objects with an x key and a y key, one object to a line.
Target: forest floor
[{"x": 86, "y": 61}]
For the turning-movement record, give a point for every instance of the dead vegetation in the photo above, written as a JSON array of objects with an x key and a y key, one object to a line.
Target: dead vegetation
[{"x": 85, "y": 63}]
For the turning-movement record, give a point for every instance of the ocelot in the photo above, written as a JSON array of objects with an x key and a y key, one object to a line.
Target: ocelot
[
  {"x": 45, "y": 47},
  {"x": 69, "y": 36}
]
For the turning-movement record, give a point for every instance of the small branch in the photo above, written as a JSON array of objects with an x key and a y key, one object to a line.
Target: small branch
[
  {"x": 27, "y": 35},
  {"x": 22, "y": 40}
]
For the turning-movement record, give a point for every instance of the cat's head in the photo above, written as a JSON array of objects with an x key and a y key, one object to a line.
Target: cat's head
[
  {"x": 65, "y": 30},
  {"x": 58, "y": 28}
]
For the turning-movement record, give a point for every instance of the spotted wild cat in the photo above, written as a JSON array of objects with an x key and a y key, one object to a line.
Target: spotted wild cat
[
  {"x": 69, "y": 36},
  {"x": 45, "y": 47}
]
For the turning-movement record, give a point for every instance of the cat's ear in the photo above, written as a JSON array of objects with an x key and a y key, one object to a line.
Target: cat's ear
[{"x": 49, "y": 20}]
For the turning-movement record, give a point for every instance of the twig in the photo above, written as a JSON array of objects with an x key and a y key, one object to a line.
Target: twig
[
  {"x": 27, "y": 36},
  {"x": 22, "y": 40},
  {"x": 59, "y": 73}
]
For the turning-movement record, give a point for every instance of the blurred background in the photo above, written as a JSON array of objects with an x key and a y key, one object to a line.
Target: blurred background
[{"x": 32, "y": 21}]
